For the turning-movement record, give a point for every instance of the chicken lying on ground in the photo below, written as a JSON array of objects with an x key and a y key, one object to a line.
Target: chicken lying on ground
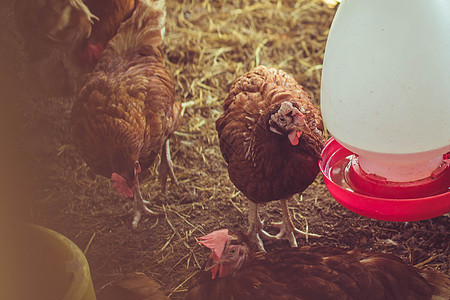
[
  {"x": 132, "y": 286},
  {"x": 234, "y": 271},
  {"x": 126, "y": 111},
  {"x": 110, "y": 14},
  {"x": 271, "y": 137},
  {"x": 55, "y": 33}
]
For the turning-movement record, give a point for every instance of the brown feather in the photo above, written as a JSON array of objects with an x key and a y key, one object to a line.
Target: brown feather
[{"x": 111, "y": 14}]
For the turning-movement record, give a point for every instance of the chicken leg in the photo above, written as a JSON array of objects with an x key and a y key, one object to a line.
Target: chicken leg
[
  {"x": 140, "y": 206},
  {"x": 287, "y": 228},
  {"x": 255, "y": 226},
  {"x": 166, "y": 167}
]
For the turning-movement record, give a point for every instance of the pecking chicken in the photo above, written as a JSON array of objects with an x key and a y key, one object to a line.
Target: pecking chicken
[
  {"x": 110, "y": 15},
  {"x": 126, "y": 111},
  {"x": 132, "y": 286},
  {"x": 234, "y": 271},
  {"x": 271, "y": 137},
  {"x": 55, "y": 33}
]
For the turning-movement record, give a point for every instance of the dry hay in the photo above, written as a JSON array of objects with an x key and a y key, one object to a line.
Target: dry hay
[{"x": 208, "y": 44}]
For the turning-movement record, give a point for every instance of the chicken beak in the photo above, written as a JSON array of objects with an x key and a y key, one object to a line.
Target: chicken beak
[
  {"x": 210, "y": 264},
  {"x": 214, "y": 266},
  {"x": 303, "y": 128},
  {"x": 132, "y": 176}
]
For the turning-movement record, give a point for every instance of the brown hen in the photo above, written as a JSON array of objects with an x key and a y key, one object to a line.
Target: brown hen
[
  {"x": 54, "y": 32},
  {"x": 271, "y": 137},
  {"x": 126, "y": 111},
  {"x": 234, "y": 271},
  {"x": 132, "y": 286}
]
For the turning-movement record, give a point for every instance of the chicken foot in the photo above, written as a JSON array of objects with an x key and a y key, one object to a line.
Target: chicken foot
[
  {"x": 255, "y": 226},
  {"x": 140, "y": 206},
  {"x": 287, "y": 228},
  {"x": 166, "y": 167}
]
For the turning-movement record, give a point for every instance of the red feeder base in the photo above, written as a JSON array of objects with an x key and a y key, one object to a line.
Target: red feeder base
[{"x": 375, "y": 197}]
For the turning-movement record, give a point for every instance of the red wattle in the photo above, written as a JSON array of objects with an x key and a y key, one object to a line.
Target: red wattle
[{"x": 293, "y": 137}]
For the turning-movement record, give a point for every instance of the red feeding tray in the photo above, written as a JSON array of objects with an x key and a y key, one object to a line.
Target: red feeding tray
[{"x": 376, "y": 198}]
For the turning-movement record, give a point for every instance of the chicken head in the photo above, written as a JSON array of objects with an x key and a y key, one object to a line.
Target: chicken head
[
  {"x": 288, "y": 120},
  {"x": 125, "y": 184},
  {"x": 229, "y": 252}
]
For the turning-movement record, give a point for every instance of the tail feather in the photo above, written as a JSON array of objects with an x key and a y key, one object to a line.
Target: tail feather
[
  {"x": 440, "y": 283},
  {"x": 145, "y": 27}
]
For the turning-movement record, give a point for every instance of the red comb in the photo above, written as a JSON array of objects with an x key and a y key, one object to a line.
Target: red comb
[
  {"x": 120, "y": 184},
  {"x": 215, "y": 241}
]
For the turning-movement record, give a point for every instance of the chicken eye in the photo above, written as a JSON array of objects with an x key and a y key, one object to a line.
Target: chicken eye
[{"x": 233, "y": 251}]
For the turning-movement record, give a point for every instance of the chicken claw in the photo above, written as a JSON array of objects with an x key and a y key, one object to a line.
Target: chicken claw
[{"x": 287, "y": 228}]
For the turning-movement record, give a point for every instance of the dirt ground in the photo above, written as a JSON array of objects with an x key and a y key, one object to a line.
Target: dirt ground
[{"x": 208, "y": 45}]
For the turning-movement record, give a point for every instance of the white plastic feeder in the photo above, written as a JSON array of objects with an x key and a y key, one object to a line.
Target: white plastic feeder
[{"x": 385, "y": 97}]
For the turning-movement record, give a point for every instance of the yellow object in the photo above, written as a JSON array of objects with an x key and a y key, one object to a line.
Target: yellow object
[{"x": 56, "y": 268}]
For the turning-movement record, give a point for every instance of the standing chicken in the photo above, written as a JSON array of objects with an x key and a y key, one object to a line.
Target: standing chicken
[
  {"x": 54, "y": 32},
  {"x": 126, "y": 111},
  {"x": 309, "y": 273},
  {"x": 271, "y": 137}
]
